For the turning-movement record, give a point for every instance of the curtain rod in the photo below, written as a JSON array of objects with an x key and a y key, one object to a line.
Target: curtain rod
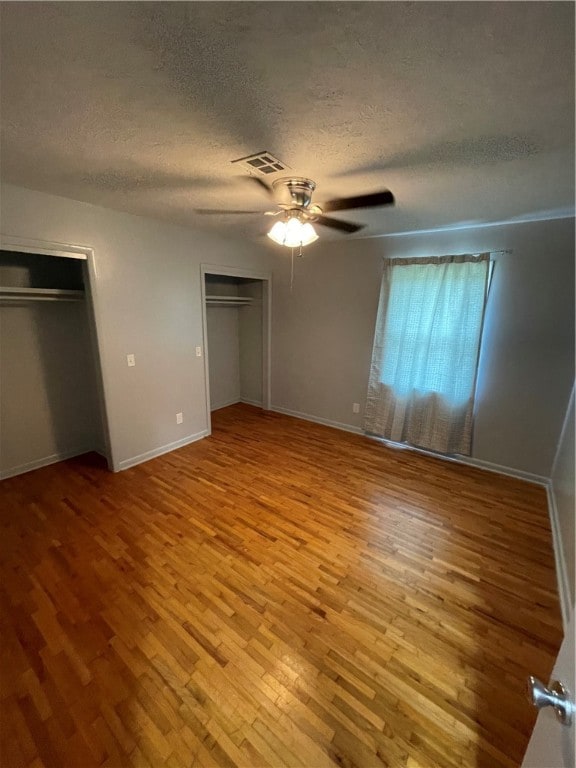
[{"x": 449, "y": 255}]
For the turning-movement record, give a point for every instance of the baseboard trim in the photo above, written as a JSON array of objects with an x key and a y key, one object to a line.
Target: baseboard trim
[
  {"x": 255, "y": 403},
  {"x": 466, "y": 460},
  {"x": 54, "y": 458},
  {"x": 224, "y": 405},
  {"x": 317, "y": 420},
  {"x": 142, "y": 457},
  {"x": 501, "y": 469},
  {"x": 560, "y": 560}
]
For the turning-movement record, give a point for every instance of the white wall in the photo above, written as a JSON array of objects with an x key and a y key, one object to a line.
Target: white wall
[
  {"x": 147, "y": 301},
  {"x": 323, "y": 332}
]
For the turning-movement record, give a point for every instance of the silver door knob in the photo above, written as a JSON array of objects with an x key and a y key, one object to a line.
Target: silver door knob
[{"x": 556, "y": 696}]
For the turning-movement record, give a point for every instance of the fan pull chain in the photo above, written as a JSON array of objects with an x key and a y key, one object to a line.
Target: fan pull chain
[{"x": 292, "y": 270}]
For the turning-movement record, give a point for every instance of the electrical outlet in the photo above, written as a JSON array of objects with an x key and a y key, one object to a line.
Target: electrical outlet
[
  {"x": 355, "y": 407},
  {"x": 179, "y": 418},
  {"x": 198, "y": 351},
  {"x": 131, "y": 360}
]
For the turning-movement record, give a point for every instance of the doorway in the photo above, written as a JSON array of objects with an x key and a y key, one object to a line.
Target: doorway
[
  {"x": 52, "y": 405},
  {"x": 236, "y": 312}
]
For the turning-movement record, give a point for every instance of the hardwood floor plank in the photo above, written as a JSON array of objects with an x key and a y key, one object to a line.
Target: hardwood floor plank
[{"x": 279, "y": 594}]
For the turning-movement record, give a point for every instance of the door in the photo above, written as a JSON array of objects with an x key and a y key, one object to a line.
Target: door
[{"x": 552, "y": 744}]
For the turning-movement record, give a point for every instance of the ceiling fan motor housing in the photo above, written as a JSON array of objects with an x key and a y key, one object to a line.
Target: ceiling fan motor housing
[{"x": 293, "y": 192}]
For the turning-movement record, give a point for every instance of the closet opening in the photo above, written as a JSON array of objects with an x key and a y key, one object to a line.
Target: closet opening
[
  {"x": 51, "y": 397},
  {"x": 236, "y": 321}
]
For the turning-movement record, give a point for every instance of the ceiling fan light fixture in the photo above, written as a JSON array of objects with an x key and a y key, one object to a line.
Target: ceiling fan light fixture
[{"x": 293, "y": 233}]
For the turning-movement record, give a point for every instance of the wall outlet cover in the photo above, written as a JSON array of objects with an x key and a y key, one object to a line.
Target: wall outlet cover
[
  {"x": 179, "y": 418},
  {"x": 355, "y": 407},
  {"x": 131, "y": 360}
]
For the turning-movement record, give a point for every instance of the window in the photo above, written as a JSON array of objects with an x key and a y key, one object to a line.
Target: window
[
  {"x": 426, "y": 349},
  {"x": 432, "y": 328}
]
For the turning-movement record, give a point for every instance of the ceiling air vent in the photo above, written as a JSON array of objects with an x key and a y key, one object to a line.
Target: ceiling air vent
[{"x": 262, "y": 162}]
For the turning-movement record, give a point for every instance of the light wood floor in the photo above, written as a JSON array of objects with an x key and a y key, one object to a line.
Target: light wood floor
[{"x": 279, "y": 594}]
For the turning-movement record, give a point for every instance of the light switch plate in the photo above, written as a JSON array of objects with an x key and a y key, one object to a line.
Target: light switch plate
[
  {"x": 198, "y": 351},
  {"x": 131, "y": 360}
]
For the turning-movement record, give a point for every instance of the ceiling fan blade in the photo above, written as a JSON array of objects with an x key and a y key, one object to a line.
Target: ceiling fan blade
[
  {"x": 343, "y": 226},
  {"x": 261, "y": 184},
  {"x": 220, "y": 211},
  {"x": 384, "y": 197}
]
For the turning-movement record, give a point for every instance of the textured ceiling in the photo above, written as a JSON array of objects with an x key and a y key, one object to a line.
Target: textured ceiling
[{"x": 464, "y": 110}]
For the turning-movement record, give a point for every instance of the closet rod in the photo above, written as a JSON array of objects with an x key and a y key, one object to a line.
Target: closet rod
[
  {"x": 20, "y": 299},
  {"x": 9, "y": 293},
  {"x": 229, "y": 301}
]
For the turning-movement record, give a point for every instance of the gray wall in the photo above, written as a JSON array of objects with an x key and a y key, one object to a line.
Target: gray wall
[
  {"x": 48, "y": 394},
  {"x": 250, "y": 339},
  {"x": 224, "y": 355},
  {"x": 563, "y": 492},
  {"x": 147, "y": 299},
  {"x": 323, "y": 332},
  {"x": 234, "y": 342}
]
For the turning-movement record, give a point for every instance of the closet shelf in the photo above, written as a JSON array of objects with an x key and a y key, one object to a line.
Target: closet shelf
[
  {"x": 229, "y": 301},
  {"x": 9, "y": 293}
]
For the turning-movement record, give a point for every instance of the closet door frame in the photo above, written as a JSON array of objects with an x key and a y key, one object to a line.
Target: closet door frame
[
  {"x": 266, "y": 279},
  {"x": 86, "y": 254}
]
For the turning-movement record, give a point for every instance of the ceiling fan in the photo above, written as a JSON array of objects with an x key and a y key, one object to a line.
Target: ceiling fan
[{"x": 293, "y": 197}]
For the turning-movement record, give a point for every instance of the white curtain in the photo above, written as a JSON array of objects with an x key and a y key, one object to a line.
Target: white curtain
[{"x": 426, "y": 348}]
